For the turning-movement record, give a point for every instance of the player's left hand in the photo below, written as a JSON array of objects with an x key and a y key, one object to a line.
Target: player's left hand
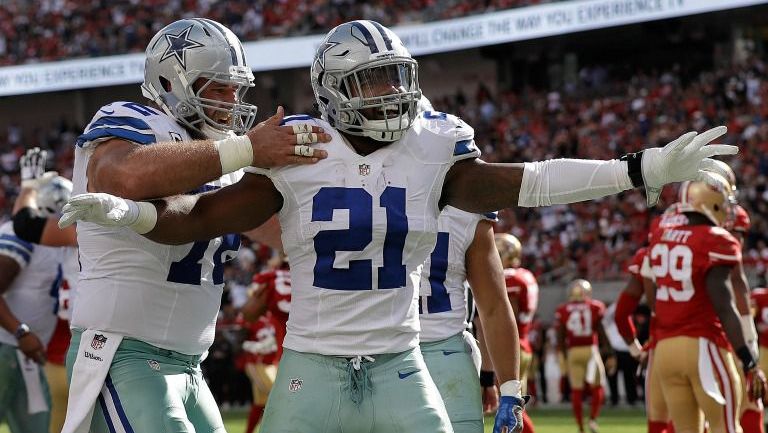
[
  {"x": 490, "y": 399},
  {"x": 683, "y": 159},
  {"x": 509, "y": 417},
  {"x": 757, "y": 389},
  {"x": 99, "y": 208}
]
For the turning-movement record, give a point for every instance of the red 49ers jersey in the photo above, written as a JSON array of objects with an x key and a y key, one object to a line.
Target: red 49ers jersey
[
  {"x": 278, "y": 286},
  {"x": 634, "y": 266},
  {"x": 760, "y": 301},
  {"x": 264, "y": 329},
  {"x": 680, "y": 258},
  {"x": 522, "y": 286},
  {"x": 580, "y": 319}
]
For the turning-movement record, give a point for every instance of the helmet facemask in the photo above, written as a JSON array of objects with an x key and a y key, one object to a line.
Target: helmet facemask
[{"x": 377, "y": 99}]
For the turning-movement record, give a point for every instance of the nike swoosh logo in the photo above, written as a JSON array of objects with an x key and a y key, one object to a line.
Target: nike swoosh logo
[
  {"x": 107, "y": 112},
  {"x": 404, "y": 375},
  {"x": 450, "y": 352}
]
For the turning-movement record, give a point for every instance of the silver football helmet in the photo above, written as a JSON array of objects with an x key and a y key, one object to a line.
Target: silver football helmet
[
  {"x": 365, "y": 81},
  {"x": 190, "y": 49},
  {"x": 52, "y": 196}
]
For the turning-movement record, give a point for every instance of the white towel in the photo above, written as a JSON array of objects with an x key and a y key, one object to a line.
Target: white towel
[
  {"x": 30, "y": 371},
  {"x": 707, "y": 374},
  {"x": 94, "y": 357}
]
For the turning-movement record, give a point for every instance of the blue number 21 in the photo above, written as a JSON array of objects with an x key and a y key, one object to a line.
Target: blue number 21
[{"x": 359, "y": 203}]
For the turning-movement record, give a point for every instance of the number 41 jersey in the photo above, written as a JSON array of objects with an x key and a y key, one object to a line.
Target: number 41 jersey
[
  {"x": 680, "y": 258},
  {"x": 357, "y": 230},
  {"x": 165, "y": 295}
]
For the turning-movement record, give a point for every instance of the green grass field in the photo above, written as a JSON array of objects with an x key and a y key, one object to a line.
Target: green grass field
[{"x": 545, "y": 420}]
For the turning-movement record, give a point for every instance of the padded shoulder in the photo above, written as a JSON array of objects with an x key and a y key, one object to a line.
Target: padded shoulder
[
  {"x": 125, "y": 120},
  {"x": 441, "y": 137}
]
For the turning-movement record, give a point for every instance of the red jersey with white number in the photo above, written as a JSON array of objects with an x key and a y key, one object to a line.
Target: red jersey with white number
[
  {"x": 580, "y": 319},
  {"x": 760, "y": 301},
  {"x": 522, "y": 287},
  {"x": 636, "y": 264},
  {"x": 278, "y": 286},
  {"x": 680, "y": 259},
  {"x": 264, "y": 331}
]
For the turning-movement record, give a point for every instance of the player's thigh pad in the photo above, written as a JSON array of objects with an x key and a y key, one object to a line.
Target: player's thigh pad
[
  {"x": 452, "y": 369},
  {"x": 578, "y": 358},
  {"x": 152, "y": 390}
]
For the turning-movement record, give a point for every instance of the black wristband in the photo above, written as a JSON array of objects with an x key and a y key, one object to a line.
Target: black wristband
[
  {"x": 634, "y": 167},
  {"x": 487, "y": 378},
  {"x": 745, "y": 356}
]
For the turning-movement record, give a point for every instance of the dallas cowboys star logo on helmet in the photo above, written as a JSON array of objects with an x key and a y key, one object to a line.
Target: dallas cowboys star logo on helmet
[
  {"x": 178, "y": 46},
  {"x": 324, "y": 48}
]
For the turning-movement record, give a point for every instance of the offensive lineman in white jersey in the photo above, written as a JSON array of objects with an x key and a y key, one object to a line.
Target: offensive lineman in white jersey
[
  {"x": 29, "y": 276},
  {"x": 358, "y": 226},
  {"x": 145, "y": 312},
  {"x": 465, "y": 251}
]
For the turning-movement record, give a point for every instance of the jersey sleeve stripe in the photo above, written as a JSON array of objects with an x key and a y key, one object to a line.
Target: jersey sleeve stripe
[
  {"x": 19, "y": 254},
  {"x": 491, "y": 216},
  {"x": 21, "y": 242},
  {"x": 121, "y": 121},
  {"x": 715, "y": 255},
  {"x": 117, "y": 132},
  {"x": 464, "y": 147}
]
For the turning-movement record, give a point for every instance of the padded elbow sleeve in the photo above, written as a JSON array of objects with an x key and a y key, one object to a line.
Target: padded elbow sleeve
[{"x": 29, "y": 225}]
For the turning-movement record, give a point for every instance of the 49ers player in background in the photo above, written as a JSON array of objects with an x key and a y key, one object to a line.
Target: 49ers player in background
[
  {"x": 696, "y": 322},
  {"x": 523, "y": 293},
  {"x": 267, "y": 309},
  {"x": 579, "y": 328}
]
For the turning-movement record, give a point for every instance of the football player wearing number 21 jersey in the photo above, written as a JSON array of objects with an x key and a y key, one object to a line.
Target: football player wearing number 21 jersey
[{"x": 358, "y": 225}]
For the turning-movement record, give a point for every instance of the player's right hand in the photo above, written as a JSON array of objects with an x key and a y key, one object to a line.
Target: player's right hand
[
  {"x": 757, "y": 388},
  {"x": 275, "y": 145},
  {"x": 99, "y": 208},
  {"x": 32, "y": 347}
]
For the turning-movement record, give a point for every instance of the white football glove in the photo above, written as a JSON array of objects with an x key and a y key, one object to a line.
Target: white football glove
[
  {"x": 109, "y": 211},
  {"x": 682, "y": 159},
  {"x": 32, "y": 169}
]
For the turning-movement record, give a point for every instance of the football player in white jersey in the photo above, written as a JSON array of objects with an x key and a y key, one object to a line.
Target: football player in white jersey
[
  {"x": 145, "y": 312},
  {"x": 29, "y": 280},
  {"x": 35, "y": 213},
  {"x": 358, "y": 226},
  {"x": 465, "y": 251}
]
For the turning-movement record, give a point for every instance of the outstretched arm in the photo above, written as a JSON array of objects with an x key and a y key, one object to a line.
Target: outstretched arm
[
  {"x": 475, "y": 186},
  {"x": 183, "y": 219}
]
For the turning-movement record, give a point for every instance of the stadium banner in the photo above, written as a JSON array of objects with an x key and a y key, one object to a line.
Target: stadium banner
[{"x": 435, "y": 37}]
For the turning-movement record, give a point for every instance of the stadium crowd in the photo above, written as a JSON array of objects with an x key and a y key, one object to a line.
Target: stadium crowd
[{"x": 48, "y": 30}]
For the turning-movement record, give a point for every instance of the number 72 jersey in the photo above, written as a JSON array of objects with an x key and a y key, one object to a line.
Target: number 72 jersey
[
  {"x": 680, "y": 258},
  {"x": 357, "y": 230}
]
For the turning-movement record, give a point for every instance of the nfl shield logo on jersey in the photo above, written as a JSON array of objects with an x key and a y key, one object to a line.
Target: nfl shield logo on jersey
[
  {"x": 364, "y": 169},
  {"x": 98, "y": 341},
  {"x": 295, "y": 384}
]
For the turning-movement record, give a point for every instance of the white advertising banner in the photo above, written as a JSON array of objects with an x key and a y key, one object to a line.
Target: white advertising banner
[{"x": 435, "y": 37}]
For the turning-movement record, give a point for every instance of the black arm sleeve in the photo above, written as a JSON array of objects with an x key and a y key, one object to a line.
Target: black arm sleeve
[{"x": 28, "y": 224}]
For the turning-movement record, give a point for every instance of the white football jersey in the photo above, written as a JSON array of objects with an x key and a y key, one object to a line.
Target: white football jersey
[
  {"x": 443, "y": 298},
  {"x": 32, "y": 294},
  {"x": 357, "y": 230},
  {"x": 165, "y": 295}
]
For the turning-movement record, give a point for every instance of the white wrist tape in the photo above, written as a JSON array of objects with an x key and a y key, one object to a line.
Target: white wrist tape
[
  {"x": 146, "y": 216},
  {"x": 234, "y": 153},
  {"x": 561, "y": 181},
  {"x": 512, "y": 388},
  {"x": 635, "y": 349}
]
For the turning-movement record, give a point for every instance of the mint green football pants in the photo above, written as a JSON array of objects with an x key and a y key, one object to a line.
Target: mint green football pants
[
  {"x": 451, "y": 366},
  {"x": 152, "y": 390},
  {"x": 328, "y": 394},
  {"x": 13, "y": 396}
]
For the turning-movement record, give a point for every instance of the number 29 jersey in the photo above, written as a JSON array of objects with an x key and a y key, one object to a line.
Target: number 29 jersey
[
  {"x": 165, "y": 295},
  {"x": 680, "y": 258},
  {"x": 357, "y": 230}
]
